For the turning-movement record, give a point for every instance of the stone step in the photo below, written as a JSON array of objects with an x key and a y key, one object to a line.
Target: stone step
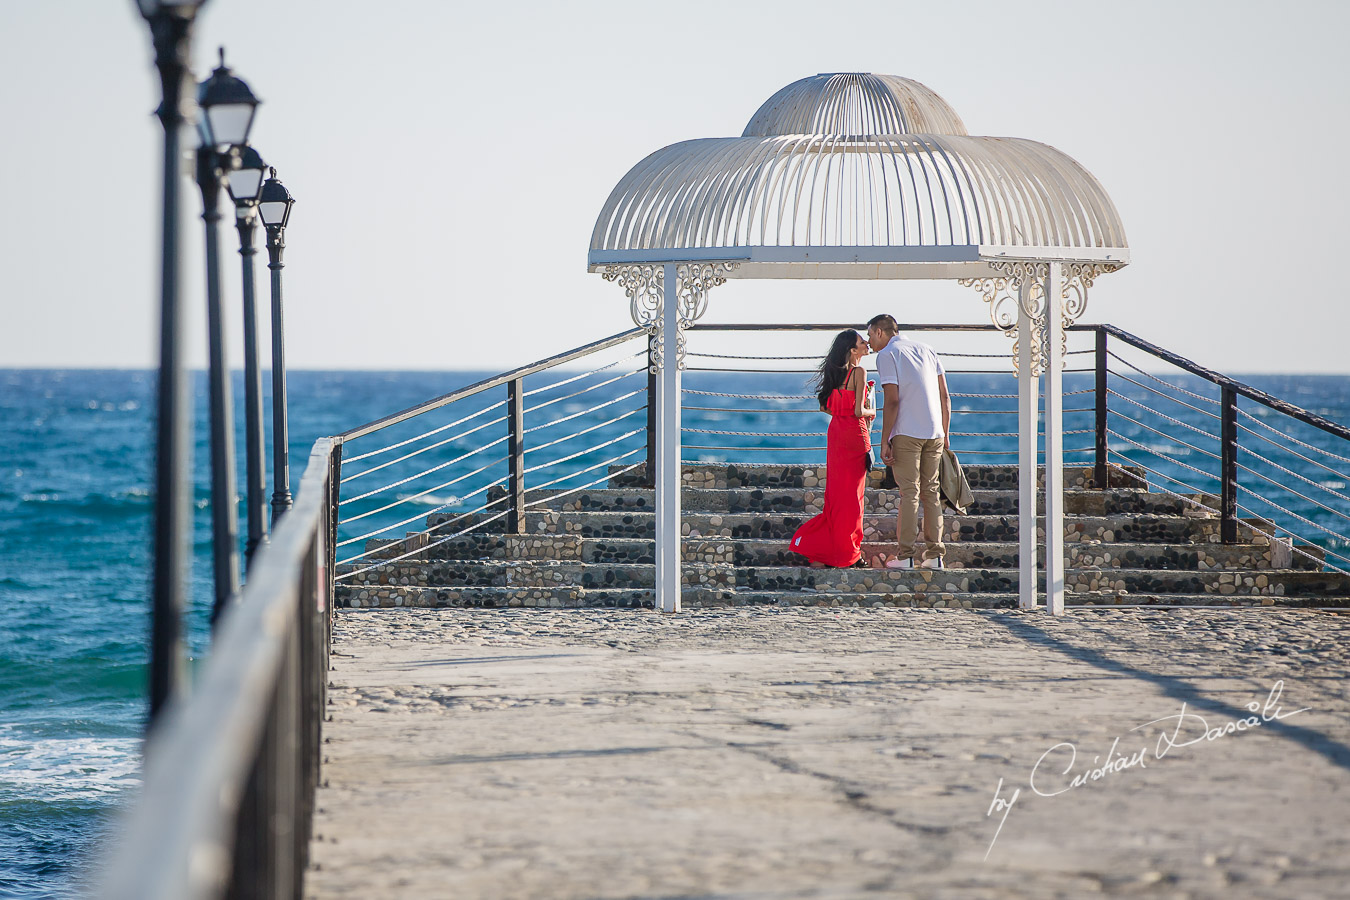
[
  {"x": 572, "y": 597},
  {"x": 810, "y": 501},
  {"x": 529, "y": 573},
  {"x": 876, "y": 527},
  {"x": 960, "y": 554},
  {"x": 970, "y": 554},
  {"x": 720, "y": 476}
]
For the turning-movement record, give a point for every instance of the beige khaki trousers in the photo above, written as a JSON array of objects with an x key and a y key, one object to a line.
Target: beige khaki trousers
[{"x": 915, "y": 462}]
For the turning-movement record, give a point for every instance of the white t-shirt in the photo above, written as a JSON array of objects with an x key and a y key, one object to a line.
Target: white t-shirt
[{"x": 914, "y": 369}]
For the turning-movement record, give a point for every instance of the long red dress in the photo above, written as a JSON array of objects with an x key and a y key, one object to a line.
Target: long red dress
[{"x": 835, "y": 536}]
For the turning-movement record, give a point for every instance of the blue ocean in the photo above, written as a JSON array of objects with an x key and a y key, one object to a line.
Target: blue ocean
[{"x": 75, "y": 507}]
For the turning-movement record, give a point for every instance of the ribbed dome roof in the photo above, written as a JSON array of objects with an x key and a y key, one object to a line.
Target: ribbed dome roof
[
  {"x": 854, "y": 103},
  {"x": 857, "y": 175}
]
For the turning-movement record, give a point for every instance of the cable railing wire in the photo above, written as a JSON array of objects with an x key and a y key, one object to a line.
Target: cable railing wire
[
  {"x": 609, "y": 462},
  {"x": 1306, "y": 480},
  {"x": 1292, "y": 546},
  {"x": 446, "y": 539},
  {"x": 754, "y": 433},
  {"x": 1184, "y": 497},
  {"x": 555, "y": 384},
  {"x": 430, "y": 490},
  {"x": 772, "y": 449},
  {"x": 437, "y": 430},
  {"x": 729, "y": 409},
  {"x": 435, "y": 468},
  {"x": 583, "y": 412},
  {"x": 1014, "y": 452},
  {"x": 1269, "y": 480},
  {"x": 576, "y": 434},
  {"x": 1157, "y": 486},
  {"x": 1163, "y": 434},
  {"x": 735, "y": 356},
  {"x": 440, "y": 443},
  {"x": 1187, "y": 425},
  {"x": 425, "y": 514},
  {"x": 590, "y": 484},
  {"x": 432, "y": 529},
  {"x": 1294, "y": 440},
  {"x": 584, "y": 390},
  {"x": 1292, "y": 514},
  {"x": 1175, "y": 387},
  {"x": 1156, "y": 392},
  {"x": 750, "y": 396},
  {"x": 584, "y": 452},
  {"x": 1161, "y": 454}
]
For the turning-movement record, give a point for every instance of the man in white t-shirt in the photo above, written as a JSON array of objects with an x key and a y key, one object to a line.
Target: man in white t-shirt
[{"x": 914, "y": 432}]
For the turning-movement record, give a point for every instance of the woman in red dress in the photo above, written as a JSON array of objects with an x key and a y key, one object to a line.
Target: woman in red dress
[{"x": 834, "y": 538}]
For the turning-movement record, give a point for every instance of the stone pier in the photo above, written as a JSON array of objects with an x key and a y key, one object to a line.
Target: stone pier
[{"x": 807, "y": 752}]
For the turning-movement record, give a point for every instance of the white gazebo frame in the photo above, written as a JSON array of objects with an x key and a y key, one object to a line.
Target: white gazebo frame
[{"x": 884, "y": 183}]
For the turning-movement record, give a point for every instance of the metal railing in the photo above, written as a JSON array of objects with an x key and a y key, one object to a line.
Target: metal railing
[
  {"x": 231, "y": 771},
  {"x": 480, "y": 458},
  {"x": 1271, "y": 467},
  {"x": 983, "y": 390},
  {"x": 1274, "y": 467},
  {"x": 485, "y": 457}
]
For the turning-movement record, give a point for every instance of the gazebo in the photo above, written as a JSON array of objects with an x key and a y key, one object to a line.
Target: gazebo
[{"x": 862, "y": 176}]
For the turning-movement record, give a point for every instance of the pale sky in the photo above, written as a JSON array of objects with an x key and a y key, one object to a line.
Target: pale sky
[{"x": 449, "y": 161}]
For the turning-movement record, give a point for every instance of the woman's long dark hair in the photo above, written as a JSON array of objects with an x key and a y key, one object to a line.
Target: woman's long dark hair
[{"x": 834, "y": 368}]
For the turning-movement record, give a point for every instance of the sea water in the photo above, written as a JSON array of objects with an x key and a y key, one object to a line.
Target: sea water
[{"x": 75, "y": 514}]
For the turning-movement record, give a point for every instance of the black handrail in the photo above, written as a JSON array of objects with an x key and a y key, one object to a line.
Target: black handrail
[
  {"x": 231, "y": 772},
  {"x": 1237, "y": 387},
  {"x": 1230, "y": 390}
]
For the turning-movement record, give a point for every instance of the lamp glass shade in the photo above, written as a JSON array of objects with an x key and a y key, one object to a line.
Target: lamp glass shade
[
  {"x": 244, "y": 185},
  {"x": 227, "y": 124},
  {"x": 274, "y": 203},
  {"x": 227, "y": 106},
  {"x": 274, "y": 212}
]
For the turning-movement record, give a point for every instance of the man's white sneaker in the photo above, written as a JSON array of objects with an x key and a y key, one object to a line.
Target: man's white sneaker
[
  {"x": 934, "y": 563},
  {"x": 906, "y": 563}
]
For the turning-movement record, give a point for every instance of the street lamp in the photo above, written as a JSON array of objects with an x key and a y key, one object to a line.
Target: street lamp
[
  {"x": 171, "y": 31},
  {"x": 227, "y": 107},
  {"x": 244, "y": 185},
  {"x": 274, "y": 208}
]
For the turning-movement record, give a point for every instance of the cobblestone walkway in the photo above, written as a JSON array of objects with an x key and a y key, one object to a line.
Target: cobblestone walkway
[{"x": 786, "y": 753}]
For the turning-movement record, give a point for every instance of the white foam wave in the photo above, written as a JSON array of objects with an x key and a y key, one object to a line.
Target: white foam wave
[
  {"x": 69, "y": 768},
  {"x": 430, "y": 500}
]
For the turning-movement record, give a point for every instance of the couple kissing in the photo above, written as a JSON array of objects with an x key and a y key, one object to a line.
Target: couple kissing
[{"x": 916, "y": 416}]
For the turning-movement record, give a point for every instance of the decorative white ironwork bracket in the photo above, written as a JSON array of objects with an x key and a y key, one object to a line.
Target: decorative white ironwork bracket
[
  {"x": 1003, "y": 295},
  {"x": 644, "y": 286}
]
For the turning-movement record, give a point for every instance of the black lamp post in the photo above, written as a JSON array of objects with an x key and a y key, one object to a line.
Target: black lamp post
[
  {"x": 227, "y": 107},
  {"x": 245, "y": 185},
  {"x": 171, "y": 30},
  {"x": 274, "y": 208}
]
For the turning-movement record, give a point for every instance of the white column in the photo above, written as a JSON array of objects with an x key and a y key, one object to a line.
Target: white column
[
  {"x": 668, "y": 468},
  {"x": 1054, "y": 441},
  {"x": 1028, "y": 431}
]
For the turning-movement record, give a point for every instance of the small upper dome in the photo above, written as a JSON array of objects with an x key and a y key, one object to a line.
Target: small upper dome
[{"x": 854, "y": 103}]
